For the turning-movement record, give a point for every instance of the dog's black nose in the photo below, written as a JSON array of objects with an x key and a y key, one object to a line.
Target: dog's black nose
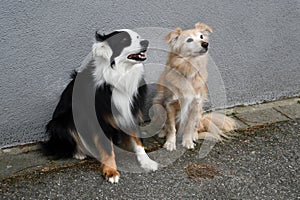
[
  {"x": 204, "y": 45},
  {"x": 144, "y": 43}
]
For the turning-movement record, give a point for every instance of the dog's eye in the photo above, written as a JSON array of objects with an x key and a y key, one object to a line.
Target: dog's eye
[
  {"x": 137, "y": 37},
  {"x": 190, "y": 40},
  {"x": 201, "y": 36}
]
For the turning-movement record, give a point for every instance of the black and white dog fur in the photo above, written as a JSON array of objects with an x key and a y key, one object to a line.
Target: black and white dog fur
[{"x": 116, "y": 72}]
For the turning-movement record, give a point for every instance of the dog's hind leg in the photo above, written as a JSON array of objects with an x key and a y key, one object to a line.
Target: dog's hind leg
[{"x": 170, "y": 127}]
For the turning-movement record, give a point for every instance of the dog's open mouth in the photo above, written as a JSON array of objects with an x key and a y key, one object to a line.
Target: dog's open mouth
[{"x": 141, "y": 56}]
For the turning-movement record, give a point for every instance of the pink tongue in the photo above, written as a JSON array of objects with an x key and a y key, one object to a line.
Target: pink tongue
[{"x": 131, "y": 56}]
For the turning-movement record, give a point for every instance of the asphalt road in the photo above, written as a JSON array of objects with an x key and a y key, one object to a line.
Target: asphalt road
[{"x": 261, "y": 163}]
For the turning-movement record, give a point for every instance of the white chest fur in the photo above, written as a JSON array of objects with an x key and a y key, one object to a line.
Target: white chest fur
[{"x": 125, "y": 78}]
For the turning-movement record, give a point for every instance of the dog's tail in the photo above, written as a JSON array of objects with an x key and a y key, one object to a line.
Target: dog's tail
[
  {"x": 215, "y": 126},
  {"x": 61, "y": 144}
]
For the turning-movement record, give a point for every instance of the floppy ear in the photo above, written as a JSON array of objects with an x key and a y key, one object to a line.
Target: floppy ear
[
  {"x": 203, "y": 27},
  {"x": 173, "y": 35}
]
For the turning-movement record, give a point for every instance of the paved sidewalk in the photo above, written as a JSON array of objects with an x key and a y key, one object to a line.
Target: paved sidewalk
[{"x": 262, "y": 161}]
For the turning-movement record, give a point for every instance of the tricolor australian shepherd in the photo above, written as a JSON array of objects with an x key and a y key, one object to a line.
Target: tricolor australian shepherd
[{"x": 113, "y": 82}]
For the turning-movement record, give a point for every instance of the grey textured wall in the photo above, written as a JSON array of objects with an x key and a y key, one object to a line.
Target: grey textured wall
[{"x": 255, "y": 45}]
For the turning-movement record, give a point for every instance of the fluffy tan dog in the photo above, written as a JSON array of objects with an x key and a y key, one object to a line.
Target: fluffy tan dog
[{"x": 182, "y": 90}]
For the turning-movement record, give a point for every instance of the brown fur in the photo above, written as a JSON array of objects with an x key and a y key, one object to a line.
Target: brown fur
[
  {"x": 108, "y": 163},
  {"x": 182, "y": 89}
]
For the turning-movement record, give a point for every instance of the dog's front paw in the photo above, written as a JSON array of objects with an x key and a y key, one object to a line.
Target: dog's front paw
[
  {"x": 110, "y": 174},
  {"x": 170, "y": 145},
  {"x": 147, "y": 163},
  {"x": 189, "y": 144},
  {"x": 151, "y": 165}
]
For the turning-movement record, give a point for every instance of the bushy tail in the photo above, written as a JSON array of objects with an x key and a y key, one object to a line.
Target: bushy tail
[
  {"x": 61, "y": 143},
  {"x": 215, "y": 126}
]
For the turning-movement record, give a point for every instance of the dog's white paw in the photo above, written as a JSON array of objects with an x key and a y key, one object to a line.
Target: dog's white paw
[
  {"x": 144, "y": 160},
  {"x": 79, "y": 156},
  {"x": 189, "y": 144},
  {"x": 114, "y": 179},
  {"x": 170, "y": 145},
  {"x": 148, "y": 164},
  {"x": 111, "y": 174}
]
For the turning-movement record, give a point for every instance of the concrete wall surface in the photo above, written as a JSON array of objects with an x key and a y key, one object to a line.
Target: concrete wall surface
[{"x": 254, "y": 49}]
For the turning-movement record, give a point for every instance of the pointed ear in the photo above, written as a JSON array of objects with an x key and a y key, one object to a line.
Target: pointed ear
[
  {"x": 203, "y": 27},
  {"x": 99, "y": 37},
  {"x": 173, "y": 35}
]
